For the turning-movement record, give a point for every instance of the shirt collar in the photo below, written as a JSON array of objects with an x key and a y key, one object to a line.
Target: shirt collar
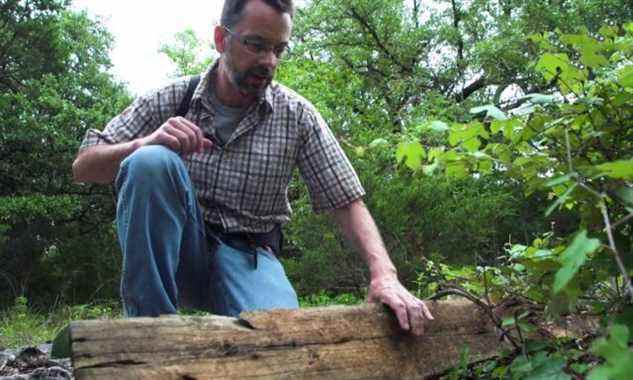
[{"x": 200, "y": 95}]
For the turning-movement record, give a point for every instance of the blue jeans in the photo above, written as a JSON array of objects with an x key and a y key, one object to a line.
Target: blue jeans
[{"x": 168, "y": 263}]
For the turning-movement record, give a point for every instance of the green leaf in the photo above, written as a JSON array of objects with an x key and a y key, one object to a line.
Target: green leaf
[
  {"x": 608, "y": 31},
  {"x": 625, "y": 76},
  {"x": 491, "y": 112},
  {"x": 581, "y": 368},
  {"x": 412, "y": 153},
  {"x": 561, "y": 199},
  {"x": 625, "y": 194},
  {"x": 573, "y": 258},
  {"x": 472, "y": 144},
  {"x": 559, "y": 181},
  {"x": 549, "y": 369},
  {"x": 540, "y": 98},
  {"x": 622, "y": 169},
  {"x": 617, "y": 354},
  {"x": 438, "y": 126},
  {"x": 456, "y": 169},
  {"x": 570, "y": 77},
  {"x": 430, "y": 169},
  {"x": 378, "y": 143}
]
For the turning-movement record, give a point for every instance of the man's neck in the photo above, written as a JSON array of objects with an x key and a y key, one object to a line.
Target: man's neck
[{"x": 227, "y": 93}]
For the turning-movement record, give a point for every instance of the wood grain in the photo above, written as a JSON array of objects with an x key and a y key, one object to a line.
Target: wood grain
[{"x": 341, "y": 342}]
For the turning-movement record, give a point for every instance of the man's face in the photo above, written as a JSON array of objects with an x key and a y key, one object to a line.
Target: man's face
[{"x": 253, "y": 46}]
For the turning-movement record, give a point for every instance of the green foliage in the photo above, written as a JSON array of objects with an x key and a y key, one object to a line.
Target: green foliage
[
  {"x": 577, "y": 149},
  {"x": 617, "y": 354},
  {"x": 574, "y": 143},
  {"x": 21, "y": 326},
  {"x": 189, "y": 53},
  {"x": 539, "y": 367},
  {"x": 573, "y": 258},
  {"x": 327, "y": 299},
  {"x": 54, "y": 84}
]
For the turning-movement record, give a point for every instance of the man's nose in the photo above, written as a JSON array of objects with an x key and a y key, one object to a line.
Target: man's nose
[{"x": 269, "y": 59}]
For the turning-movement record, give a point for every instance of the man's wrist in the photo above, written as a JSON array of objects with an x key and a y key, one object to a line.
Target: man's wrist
[
  {"x": 383, "y": 276},
  {"x": 136, "y": 144}
]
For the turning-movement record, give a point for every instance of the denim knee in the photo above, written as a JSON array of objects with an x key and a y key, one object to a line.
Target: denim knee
[{"x": 150, "y": 163}]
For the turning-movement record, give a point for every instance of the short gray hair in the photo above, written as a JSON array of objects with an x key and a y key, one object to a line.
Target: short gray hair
[{"x": 233, "y": 9}]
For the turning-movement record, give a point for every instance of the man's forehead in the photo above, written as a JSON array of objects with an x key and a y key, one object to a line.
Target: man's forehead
[{"x": 261, "y": 19}]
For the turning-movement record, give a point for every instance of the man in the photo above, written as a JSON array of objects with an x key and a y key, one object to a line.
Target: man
[{"x": 200, "y": 198}]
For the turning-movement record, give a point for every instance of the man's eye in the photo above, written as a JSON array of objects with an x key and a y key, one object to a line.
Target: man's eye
[
  {"x": 255, "y": 45},
  {"x": 280, "y": 49}
]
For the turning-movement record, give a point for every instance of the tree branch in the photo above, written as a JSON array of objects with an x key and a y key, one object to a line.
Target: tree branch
[{"x": 372, "y": 32}]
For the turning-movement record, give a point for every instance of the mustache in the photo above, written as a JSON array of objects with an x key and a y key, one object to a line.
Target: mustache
[{"x": 261, "y": 71}]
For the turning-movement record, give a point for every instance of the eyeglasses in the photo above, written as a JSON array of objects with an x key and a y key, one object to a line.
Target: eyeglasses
[{"x": 257, "y": 45}]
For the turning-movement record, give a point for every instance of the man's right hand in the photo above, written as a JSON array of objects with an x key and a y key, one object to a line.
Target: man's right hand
[{"x": 179, "y": 135}]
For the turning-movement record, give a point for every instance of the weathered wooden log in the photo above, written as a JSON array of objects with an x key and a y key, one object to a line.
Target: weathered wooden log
[{"x": 354, "y": 342}]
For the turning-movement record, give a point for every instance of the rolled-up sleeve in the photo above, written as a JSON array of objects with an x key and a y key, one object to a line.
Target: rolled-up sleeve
[{"x": 328, "y": 173}]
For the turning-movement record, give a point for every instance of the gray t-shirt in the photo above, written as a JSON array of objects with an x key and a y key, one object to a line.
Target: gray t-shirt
[{"x": 226, "y": 119}]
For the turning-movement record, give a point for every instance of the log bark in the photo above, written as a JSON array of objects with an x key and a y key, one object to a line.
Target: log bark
[{"x": 340, "y": 342}]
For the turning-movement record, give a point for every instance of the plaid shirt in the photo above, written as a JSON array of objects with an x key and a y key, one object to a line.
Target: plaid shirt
[{"x": 243, "y": 185}]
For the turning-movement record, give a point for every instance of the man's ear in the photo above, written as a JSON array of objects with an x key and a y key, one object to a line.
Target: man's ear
[{"x": 218, "y": 37}]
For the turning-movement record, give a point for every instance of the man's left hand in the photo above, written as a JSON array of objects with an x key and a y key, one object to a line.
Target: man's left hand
[{"x": 411, "y": 312}]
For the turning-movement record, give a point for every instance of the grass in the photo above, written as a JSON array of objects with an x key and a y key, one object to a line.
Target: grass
[{"x": 22, "y": 326}]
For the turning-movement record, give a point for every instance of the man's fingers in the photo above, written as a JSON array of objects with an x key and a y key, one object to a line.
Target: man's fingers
[
  {"x": 171, "y": 130},
  {"x": 188, "y": 136},
  {"x": 206, "y": 143},
  {"x": 196, "y": 130},
  {"x": 427, "y": 313},
  {"x": 170, "y": 142},
  {"x": 416, "y": 318},
  {"x": 400, "y": 310}
]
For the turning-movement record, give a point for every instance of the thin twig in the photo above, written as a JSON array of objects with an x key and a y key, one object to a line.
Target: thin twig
[
  {"x": 621, "y": 221},
  {"x": 486, "y": 295},
  {"x": 568, "y": 144},
  {"x": 618, "y": 259},
  {"x": 518, "y": 328},
  {"x": 482, "y": 305}
]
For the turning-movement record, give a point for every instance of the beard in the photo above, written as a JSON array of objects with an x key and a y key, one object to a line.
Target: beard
[{"x": 252, "y": 81}]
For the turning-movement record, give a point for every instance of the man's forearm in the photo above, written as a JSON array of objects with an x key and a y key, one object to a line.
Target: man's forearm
[
  {"x": 100, "y": 163},
  {"x": 359, "y": 228}
]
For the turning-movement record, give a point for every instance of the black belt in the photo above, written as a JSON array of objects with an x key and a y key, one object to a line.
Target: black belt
[{"x": 248, "y": 241}]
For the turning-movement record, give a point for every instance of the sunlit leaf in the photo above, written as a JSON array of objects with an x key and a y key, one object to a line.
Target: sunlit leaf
[
  {"x": 378, "y": 143},
  {"x": 540, "y": 98},
  {"x": 438, "y": 126},
  {"x": 430, "y": 169},
  {"x": 625, "y": 76},
  {"x": 558, "y": 65},
  {"x": 622, "y": 169},
  {"x": 491, "y": 112},
  {"x": 456, "y": 169},
  {"x": 412, "y": 153},
  {"x": 472, "y": 144}
]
